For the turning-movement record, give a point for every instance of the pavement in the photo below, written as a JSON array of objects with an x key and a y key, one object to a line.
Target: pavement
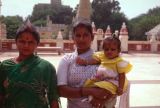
[{"x": 144, "y": 77}]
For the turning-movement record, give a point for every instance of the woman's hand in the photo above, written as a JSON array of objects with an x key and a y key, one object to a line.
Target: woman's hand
[
  {"x": 81, "y": 61},
  {"x": 100, "y": 93},
  {"x": 97, "y": 103}
]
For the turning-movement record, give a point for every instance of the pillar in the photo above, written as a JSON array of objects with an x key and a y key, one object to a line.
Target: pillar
[
  {"x": 124, "y": 38},
  {"x": 108, "y": 32},
  {"x": 59, "y": 40},
  {"x": 94, "y": 43},
  {"x": 153, "y": 43},
  {"x": 98, "y": 38}
]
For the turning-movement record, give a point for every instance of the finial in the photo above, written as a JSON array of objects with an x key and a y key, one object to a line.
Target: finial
[{"x": 28, "y": 23}]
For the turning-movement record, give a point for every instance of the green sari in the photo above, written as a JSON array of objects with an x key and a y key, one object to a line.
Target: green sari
[{"x": 29, "y": 84}]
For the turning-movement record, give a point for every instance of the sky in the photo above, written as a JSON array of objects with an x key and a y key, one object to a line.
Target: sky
[{"x": 131, "y": 8}]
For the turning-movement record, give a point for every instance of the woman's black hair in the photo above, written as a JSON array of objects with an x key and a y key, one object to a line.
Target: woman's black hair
[
  {"x": 83, "y": 23},
  {"x": 113, "y": 38},
  {"x": 28, "y": 27}
]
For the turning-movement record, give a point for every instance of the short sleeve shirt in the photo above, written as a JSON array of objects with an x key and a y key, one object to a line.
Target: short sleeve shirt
[
  {"x": 71, "y": 74},
  {"x": 117, "y": 64}
]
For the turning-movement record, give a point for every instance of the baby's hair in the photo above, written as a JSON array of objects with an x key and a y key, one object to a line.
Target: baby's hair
[{"x": 112, "y": 38}]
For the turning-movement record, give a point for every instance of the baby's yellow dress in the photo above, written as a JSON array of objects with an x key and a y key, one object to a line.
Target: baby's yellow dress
[{"x": 115, "y": 66}]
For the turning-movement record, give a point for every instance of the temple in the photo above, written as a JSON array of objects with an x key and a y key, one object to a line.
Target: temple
[
  {"x": 53, "y": 34},
  {"x": 56, "y": 2}
]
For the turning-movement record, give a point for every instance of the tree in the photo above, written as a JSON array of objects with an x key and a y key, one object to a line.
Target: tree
[
  {"x": 12, "y": 24},
  {"x": 107, "y": 12},
  {"x": 40, "y": 13},
  {"x": 62, "y": 15},
  {"x": 58, "y": 14},
  {"x": 117, "y": 20},
  {"x": 140, "y": 25}
]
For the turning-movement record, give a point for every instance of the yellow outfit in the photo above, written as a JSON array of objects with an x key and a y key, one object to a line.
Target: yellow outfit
[{"x": 112, "y": 67}]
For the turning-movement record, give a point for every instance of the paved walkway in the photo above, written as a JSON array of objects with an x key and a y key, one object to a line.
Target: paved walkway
[{"x": 145, "y": 77}]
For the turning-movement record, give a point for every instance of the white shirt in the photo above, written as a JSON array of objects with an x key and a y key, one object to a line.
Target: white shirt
[{"x": 73, "y": 75}]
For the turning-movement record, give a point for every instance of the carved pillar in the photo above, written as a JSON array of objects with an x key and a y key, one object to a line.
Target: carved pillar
[
  {"x": 108, "y": 32},
  {"x": 59, "y": 40},
  {"x": 124, "y": 38},
  {"x": 94, "y": 43},
  {"x": 154, "y": 44},
  {"x": 97, "y": 43}
]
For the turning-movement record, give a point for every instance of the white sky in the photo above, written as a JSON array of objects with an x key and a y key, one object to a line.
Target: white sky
[{"x": 131, "y": 8}]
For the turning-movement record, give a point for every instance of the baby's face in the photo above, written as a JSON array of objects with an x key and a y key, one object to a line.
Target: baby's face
[{"x": 111, "y": 49}]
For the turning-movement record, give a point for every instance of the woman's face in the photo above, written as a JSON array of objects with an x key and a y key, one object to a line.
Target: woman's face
[
  {"x": 82, "y": 39},
  {"x": 26, "y": 44}
]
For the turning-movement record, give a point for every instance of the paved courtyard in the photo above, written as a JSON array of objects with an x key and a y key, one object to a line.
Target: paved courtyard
[{"x": 145, "y": 77}]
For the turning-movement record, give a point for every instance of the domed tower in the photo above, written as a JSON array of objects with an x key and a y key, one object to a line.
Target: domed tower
[
  {"x": 84, "y": 10},
  {"x": 56, "y": 2}
]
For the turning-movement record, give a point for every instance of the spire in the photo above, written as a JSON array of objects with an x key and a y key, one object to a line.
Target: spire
[
  {"x": 56, "y": 2},
  {"x": 124, "y": 30},
  {"x": 84, "y": 10},
  {"x": 94, "y": 27},
  {"x": 28, "y": 23},
  {"x": 108, "y": 32},
  {"x": 49, "y": 22}
]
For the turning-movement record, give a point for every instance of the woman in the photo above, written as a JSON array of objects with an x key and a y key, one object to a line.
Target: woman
[
  {"x": 72, "y": 76},
  {"x": 27, "y": 81}
]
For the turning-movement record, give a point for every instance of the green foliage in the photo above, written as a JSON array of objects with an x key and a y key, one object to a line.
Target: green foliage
[
  {"x": 40, "y": 12},
  {"x": 140, "y": 25},
  {"x": 40, "y": 22},
  {"x": 104, "y": 13},
  {"x": 58, "y": 14},
  {"x": 12, "y": 24},
  {"x": 107, "y": 13},
  {"x": 2, "y": 19},
  {"x": 117, "y": 20},
  {"x": 63, "y": 15}
]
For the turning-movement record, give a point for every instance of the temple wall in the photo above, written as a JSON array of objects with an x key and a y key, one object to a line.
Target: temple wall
[{"x": 68, "y": 45}]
